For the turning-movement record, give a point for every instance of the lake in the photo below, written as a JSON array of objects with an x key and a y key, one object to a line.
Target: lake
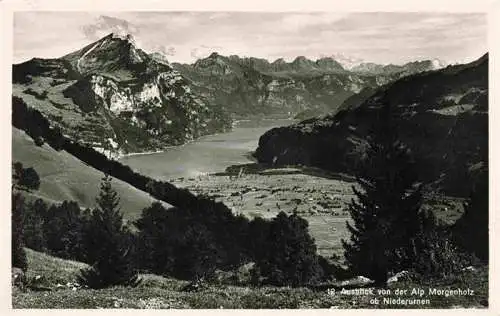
[{"x": 208, "y": 154}]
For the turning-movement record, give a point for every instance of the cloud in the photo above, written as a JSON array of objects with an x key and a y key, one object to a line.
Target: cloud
[
  {"x": 203, "y": 51},
  {"x": 383, "y": 37},
  {"x": 167, "y": 51},
  {"x": 219, "y": 15},
  {"x": 294, "y": 22},
  {"x": 108, "y": 24}
]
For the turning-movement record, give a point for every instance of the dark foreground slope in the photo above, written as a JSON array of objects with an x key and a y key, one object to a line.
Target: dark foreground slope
[{"x": 442, "y": 115}]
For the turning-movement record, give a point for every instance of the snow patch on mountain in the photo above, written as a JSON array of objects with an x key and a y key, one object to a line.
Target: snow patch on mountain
[
  {"x": 347, "y": 62},
  {"x": 438, "y": 64}
]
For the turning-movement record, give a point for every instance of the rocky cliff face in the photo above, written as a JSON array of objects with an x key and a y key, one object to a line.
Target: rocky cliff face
[
  {"x": 112, "y": 95},
  {"x": 253, "y": 86},
  {"x": 442, "y": 115}
]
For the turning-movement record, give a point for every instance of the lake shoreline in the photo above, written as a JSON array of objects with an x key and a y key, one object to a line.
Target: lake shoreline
[
  {"x": 236, "y": 124},
  {"x": 206, "y": 154}
]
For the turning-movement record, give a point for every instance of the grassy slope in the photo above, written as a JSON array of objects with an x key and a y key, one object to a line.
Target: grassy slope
[
  {"x": 160, "y": 292},
  {"x": 63, "y": 177},
  {"x": 54, "y": 270}
]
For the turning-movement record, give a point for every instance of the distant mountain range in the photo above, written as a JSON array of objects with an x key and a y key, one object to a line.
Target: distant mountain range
[
  {"x": 116, "y": 97},
  {"x": 252, "y": 86},
  {"x": 442, "y": 115}
]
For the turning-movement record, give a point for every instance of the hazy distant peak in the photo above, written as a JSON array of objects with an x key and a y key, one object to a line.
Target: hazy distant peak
[
  {"x": 347, "y": 62},
  {"x": 279, "y": 61},
  {"x": 302, "y": 60},
  {"x": 329, "y": 63},
  {"x": 438, "y": 64}
]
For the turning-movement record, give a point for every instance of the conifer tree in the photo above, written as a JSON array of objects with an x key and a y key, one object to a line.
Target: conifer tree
[
  {"x": 64, "y": 229},
  {"x": 156, "y": 239},
  {"x": 196, "y": 254},
  {"x": 289, "y": 254},
  {"x": 111, "y": 243},
  {"x": 174, "y": 243},
  {"x": 18, "y": 254},
  {"x": 470, "y": 231},
  {"x": 386, "y": 216},
  {"x": 34, "y": 233}
]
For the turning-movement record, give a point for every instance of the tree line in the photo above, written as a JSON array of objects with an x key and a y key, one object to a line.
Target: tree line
[{"x": 183, "y": 243}]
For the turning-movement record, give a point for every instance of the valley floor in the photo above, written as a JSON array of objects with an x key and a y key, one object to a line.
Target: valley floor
[{"x": 320, "y": 197}]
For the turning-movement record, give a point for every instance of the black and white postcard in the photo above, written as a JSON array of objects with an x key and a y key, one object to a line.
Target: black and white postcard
[{"x": 248, "y": 159}]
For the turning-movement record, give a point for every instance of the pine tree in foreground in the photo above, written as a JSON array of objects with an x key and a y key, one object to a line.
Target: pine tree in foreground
[
  {"x": 112, "y": 244},
  {"x": 386, "y": 216}
]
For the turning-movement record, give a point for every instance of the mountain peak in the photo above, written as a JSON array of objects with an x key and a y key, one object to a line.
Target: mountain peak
[
  {"x": 329, "y": 63},
  {"x": 122, "y": 37},
  {"x": 347, "y": 62},
  {"x": 111, "y": 53},
  {"x": 214, "y": 55},
  {"x": 279, "y": 61},
  {"x": 300, "y": 59}
]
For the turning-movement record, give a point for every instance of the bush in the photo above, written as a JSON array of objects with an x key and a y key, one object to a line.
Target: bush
[
  {"x": 436, "y": 256},
  {"x": 30, "y": 179},
  {"x": 26, "y": 177},
  {"x": 432, "y": 253}
]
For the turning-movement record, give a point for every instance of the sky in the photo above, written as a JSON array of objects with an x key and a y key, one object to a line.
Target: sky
[{"x": 381, "y": 37}]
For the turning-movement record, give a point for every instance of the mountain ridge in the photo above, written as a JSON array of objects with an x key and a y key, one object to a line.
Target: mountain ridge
[
  {"x": 114, "y": 96},
  {"x": 442, "y": 115},
  {"x": 248, "y": 85}
]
